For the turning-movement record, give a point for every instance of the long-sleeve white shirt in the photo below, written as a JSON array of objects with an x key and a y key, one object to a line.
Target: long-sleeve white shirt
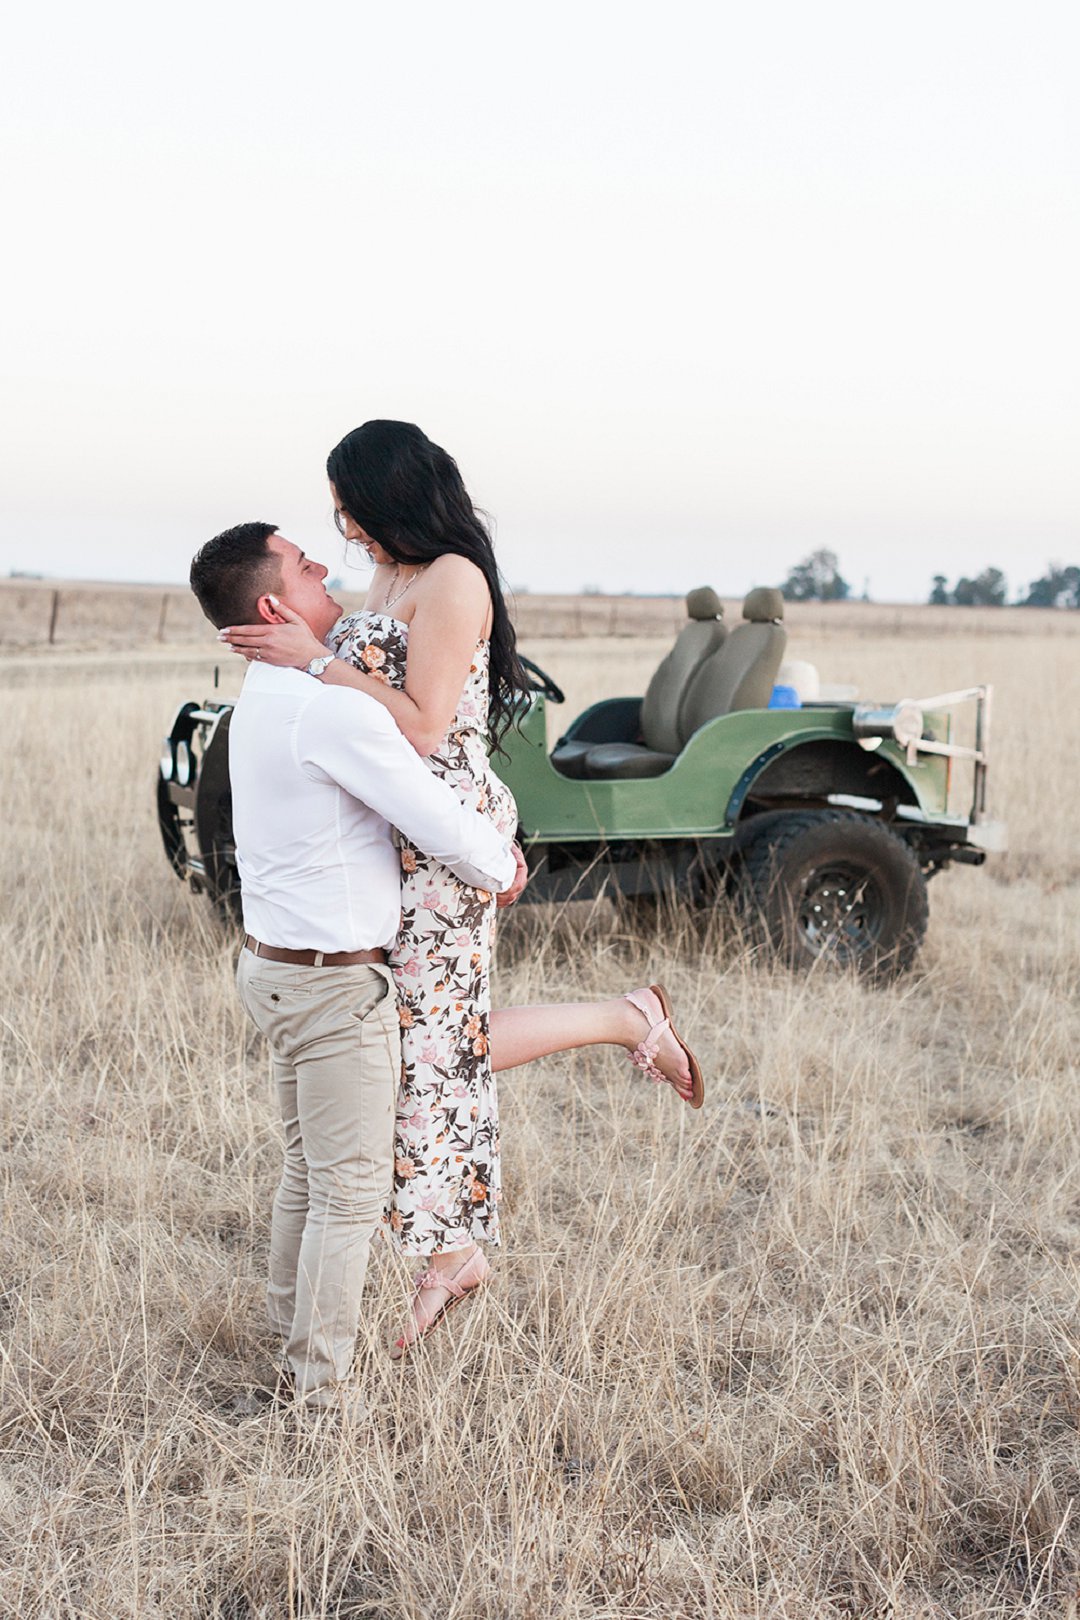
[{"x": 320, "y": 775}]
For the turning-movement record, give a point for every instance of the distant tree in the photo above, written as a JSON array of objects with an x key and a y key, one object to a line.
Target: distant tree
[
  {"x": 985, "y": 590},
  {"x": 1041, "y": 592},
  {"x": 939, "y": 596},
  {"x": 990, "y": 588},
  {"x": 816, "y": 579},
  {"x": 1059, "y": 587}
]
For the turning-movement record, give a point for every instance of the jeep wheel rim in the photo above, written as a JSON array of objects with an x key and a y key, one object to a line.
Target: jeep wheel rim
[{"x": 841, "y": 911}]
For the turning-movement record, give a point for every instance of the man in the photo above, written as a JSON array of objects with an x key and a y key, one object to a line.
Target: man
[{"x": 320, "y": 775}]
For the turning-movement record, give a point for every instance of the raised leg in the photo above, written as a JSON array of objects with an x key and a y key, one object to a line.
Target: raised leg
[{"x": 523, "y": 1034}]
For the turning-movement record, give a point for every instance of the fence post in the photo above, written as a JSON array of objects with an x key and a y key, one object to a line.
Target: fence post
[
  {"x": 53, "y": 616},
  {"x": 161, "y": 617}
]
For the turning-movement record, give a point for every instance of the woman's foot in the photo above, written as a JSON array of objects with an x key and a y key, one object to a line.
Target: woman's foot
[
  {"x": 659, "y": 1051},
  {"x": 447, "y": 1280}
]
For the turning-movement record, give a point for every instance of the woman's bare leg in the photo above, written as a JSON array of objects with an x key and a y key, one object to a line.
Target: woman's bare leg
[{"x": 522, "y": 1034}]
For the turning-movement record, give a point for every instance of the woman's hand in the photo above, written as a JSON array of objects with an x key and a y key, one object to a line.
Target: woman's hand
[
  {"x": 291, "y": 645},
  {"x": 518, "y": 882}
]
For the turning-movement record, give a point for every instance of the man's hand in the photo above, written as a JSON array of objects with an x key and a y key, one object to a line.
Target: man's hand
[
  {"x": 521, "y": 877},
  {"x": 291, "y": 644}
]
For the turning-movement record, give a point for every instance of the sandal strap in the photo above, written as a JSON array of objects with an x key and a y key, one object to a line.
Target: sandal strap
[
  {"x": 434, "y": 1278},
  {"x": 644, "y": 1054}
]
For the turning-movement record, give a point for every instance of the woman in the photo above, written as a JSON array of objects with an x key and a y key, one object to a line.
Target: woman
[{"x": 435, "y": 645}]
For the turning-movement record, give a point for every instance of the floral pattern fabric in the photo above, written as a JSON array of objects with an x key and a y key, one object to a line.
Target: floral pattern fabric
[{"x": 446, "y": 1154}]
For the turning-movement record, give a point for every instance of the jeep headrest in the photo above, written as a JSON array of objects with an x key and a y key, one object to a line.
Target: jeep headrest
[
  {"x": 764, "y": 605},
  {"x": 703, "y": 603}
]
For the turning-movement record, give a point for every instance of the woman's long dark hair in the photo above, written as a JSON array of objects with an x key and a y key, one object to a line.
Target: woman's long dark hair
[{"x": 407, "y": 494}]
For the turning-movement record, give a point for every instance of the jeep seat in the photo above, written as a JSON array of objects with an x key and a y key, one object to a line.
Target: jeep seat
[
  {"x": 739, "y": 674},
  {"x": 742, "y": 674},
  {"x": 664, "y": 694}
]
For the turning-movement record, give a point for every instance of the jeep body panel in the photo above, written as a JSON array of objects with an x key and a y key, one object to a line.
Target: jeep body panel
[{"x": 705, "y": 792}]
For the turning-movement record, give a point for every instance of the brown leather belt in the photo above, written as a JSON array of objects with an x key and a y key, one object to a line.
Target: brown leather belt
[{"x": 280, "y": 953}]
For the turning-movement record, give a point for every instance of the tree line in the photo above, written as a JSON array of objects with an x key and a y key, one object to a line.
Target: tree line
[
  {"x": 818, "y": 579},
  {"x": 1059, "y": 587}
]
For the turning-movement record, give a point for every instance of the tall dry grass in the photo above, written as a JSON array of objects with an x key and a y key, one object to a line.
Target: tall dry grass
[{"x": 811, "y": 1353}]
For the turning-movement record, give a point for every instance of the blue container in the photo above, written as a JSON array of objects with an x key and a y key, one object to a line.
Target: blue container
[{"x": 785, "y": 697}]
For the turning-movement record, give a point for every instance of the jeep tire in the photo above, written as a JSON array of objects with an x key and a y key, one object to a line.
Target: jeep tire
[{"x": 828, "y": 885}]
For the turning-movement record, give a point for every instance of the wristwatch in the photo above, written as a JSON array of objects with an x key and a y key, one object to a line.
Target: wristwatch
[{"x": 317, "y": 665}]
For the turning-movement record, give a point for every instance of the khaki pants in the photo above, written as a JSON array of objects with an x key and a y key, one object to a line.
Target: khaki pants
[{"x": 335, "y": 1044}]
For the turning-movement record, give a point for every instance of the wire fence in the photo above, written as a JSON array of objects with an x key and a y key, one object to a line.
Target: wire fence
[
  {"x": 36, "y": 614},
  {"x": 39, "y": 614}
]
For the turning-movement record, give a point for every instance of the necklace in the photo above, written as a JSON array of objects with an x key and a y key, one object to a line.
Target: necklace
[{"x": 390, "y": 600}]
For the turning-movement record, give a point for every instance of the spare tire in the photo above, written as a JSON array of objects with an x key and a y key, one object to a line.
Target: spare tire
[{"x": 827, "y": 885}]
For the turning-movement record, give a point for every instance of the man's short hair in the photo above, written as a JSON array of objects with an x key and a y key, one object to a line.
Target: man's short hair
[{"x": 231, "y": 572}]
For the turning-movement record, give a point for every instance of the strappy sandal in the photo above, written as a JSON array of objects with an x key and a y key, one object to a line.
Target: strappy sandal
[
  {"x": 459, "y": 1284},
  {"x": 644, "y": 1054}
]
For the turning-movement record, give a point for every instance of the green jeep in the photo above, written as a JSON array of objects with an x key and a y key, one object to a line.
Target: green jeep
[{"x": 820, "y": 822}]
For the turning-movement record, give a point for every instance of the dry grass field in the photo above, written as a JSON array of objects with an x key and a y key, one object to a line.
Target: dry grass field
[
  {"x": 811, "y": 1353},
  {"x": 37, "y": 616}
]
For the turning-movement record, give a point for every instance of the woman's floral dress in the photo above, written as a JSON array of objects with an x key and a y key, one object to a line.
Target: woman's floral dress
[{"x": 446, "y": 1155}]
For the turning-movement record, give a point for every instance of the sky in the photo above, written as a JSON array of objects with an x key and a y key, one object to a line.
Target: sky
[{"x": 687, "y": 290}]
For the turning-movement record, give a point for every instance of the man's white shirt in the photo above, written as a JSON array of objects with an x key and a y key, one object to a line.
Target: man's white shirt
[{"x": 320, "y": 775}]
